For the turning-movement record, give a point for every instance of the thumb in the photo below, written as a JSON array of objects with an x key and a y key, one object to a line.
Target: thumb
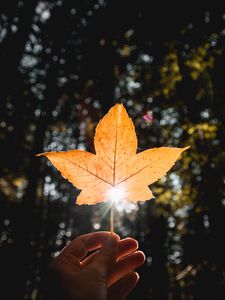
[{"x": 107, "y": 255}]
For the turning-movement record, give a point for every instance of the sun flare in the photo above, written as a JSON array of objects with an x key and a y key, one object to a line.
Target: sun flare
[{"x": 115, "y": 194}]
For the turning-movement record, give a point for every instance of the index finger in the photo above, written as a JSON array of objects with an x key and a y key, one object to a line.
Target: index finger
[
  {"x": 125, "y": 247},
  {"x": 87, "y": 242}
]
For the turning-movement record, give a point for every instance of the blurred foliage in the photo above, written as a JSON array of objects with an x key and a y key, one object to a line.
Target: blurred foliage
[{"x": 63, "y": 65}]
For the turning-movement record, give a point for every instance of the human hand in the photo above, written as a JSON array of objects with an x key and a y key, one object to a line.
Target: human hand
[{"x": 106, "y": 274}]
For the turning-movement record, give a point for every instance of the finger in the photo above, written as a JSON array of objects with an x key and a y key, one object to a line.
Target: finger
[
  {"x": 125, "y": 247},
  {"x": 87, "y": 242},
  {"x": 122, "y": 288},
  {"x": 106, "y": 257},
  {"x": 125, "y": 265}
]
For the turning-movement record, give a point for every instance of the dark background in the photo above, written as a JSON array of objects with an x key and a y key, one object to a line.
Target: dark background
[{"x": 63, "y": 64}]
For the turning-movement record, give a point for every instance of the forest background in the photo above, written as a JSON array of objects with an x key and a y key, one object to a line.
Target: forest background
[{"x": 63, "y": 64}]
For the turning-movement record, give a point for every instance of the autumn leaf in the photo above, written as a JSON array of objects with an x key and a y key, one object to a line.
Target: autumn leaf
[{"x": 116, "y": 166}]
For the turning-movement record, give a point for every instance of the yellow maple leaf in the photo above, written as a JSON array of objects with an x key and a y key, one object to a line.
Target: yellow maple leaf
[{"x": 115, "y": 170}]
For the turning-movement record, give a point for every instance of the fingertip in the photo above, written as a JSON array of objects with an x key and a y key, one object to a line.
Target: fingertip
[
  {"x": 115, "y": 235},
  {"x": 109, "y": 234},
  {"x": 132, "y": 241},
  {"x": 135, "y": 276},
  {"x": 129, "y": 243},
  {"x": 141, "y": 256}
]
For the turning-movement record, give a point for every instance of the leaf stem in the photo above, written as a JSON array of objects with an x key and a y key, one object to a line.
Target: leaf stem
[{"x": 112, "y": 218}]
